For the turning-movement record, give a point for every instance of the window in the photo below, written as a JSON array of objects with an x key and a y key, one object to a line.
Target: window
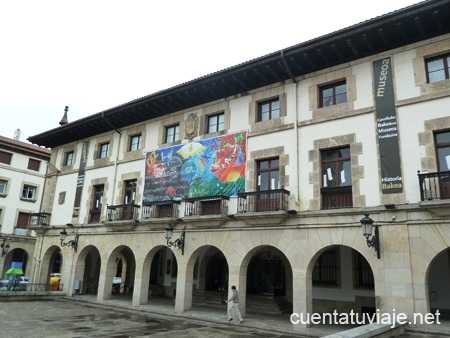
[
  {"x": 216, "y": 123},
  {"x": 333, "y": 94},
  {"x": 325, "y": 270},
  {"x": 28, "y": 192},
  {"x": 3, "y": 185},
  {"x": 68, "y": 160},
  {"x": 442, "y": 143},
  {"x": 5, "y": 157},
  {"x": 438, "y": 68},
  {"x": 104, "y": 150},
  {"x": 268, "y": 179},
  {"x": 97, "y": 203},
  {"x": 269, "y": 110},
  {"x": 130, "y": 192},
  {"x": 172, "y": 133},
  {"x": 33, "y": 164},
  {"x": 363, "y": 272},
  {"x": 22, "y": 220},
  {"x": 336, "y": 178},
  {"x": 268, "y": 174},
  {"x": 135, "y": 142}
]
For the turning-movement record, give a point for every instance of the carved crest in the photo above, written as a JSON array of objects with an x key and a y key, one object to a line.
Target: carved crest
[{"x": 191, "y": 126}]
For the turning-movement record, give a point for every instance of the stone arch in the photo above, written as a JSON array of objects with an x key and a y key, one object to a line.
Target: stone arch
[
  {"x": 348, "y": 282},
  {"x": 143, "y": 275},
  {"x": 437, "y": 280}
]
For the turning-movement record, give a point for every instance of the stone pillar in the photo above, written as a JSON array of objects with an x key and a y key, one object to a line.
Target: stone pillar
[
  {"x": 183, "y": 300},
  {"x": 141, "y": 282}
]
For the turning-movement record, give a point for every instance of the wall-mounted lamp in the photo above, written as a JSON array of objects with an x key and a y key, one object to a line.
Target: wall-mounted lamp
[
  {"x": 367, "y": 224},
  {"x": 73, "y": 243},
  {"x": 5, "y": 246},
  {"x": 179, "y": 243}
]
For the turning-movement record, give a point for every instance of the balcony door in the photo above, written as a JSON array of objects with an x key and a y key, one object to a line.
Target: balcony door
[
  {"x": 129, "y": 199},
  {"x": 442, "y": 142},
  {"x": 97, "y": 203},
  {"x": 336, "y": 178},
  {"x": 268, "y": 179}
]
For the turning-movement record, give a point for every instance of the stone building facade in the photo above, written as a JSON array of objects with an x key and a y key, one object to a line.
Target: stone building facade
[{"x": 266, "y": 171}]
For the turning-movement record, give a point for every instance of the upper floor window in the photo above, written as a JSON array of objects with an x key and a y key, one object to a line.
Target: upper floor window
[
  {"x": 336, "y": 178},
  {"x": 135, "y": 142},
  {"x": 68, "y": 160},
  {"x": 438, "y": 68},
  {"x": 172, "y": 133},
  {"x": 3, "y": 185},
  {"x": 269, "y": 110},
  {"x": 130, "y": 192},
  {"x": 442, "y": 144},
  {"x": 103, "y": 150},
  {"x": 442, "y": 141},
  {"x": 268, "y": 174},
  {"x": 5, "y": 157},
  {"x": 33, "y": 164},
  {"x": 28, "y": 192},
  {"x": 96, "y": 203},
  {"x": 216, "y": 122},
  {"x": 333, "y": 94}
]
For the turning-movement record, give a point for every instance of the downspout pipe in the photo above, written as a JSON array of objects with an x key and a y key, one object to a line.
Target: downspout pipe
[{"x": 296, "y": 130}]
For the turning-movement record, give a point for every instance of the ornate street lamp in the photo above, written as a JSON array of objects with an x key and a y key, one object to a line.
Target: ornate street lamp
[
  {"x": 374, "y": 242},
  {"x": 73, "y": 243},
  {"x": 179, "y": 243},
  {"x": 5, "y": 246}
]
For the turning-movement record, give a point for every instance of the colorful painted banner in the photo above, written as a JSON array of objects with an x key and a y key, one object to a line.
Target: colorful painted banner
[{"x": 210, "y": 167}]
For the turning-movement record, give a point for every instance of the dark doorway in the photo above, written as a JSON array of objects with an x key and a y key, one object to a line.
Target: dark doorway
[
  {"x": 266, "y": 275},
  {"x": 216, "y": 272}
]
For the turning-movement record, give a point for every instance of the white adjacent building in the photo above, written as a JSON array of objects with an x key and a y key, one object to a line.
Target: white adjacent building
[{"x": 23, "y": 167}]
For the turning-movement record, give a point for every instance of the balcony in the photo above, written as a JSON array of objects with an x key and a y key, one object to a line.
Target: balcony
[
  {"x": 122, "y": 212},
  {"x": 39, "y": 219},
  {"x": 201, "y": 206},
  {"x": 434, "y": 185},
  {"x": 160, "y": 209},
  {"x": 336, "y": 198},
  {"x": 259, "y": 201}
]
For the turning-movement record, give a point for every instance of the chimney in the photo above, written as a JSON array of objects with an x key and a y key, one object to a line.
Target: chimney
[{"x": 64, "y": 119}]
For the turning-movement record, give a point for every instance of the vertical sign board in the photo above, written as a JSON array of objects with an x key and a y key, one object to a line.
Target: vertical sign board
[
  {"x": 391, "y": 173},
  {"x": 80, "y": 180}
]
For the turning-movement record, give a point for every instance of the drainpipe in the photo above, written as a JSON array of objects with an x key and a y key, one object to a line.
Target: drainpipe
[
  {"x": 117, "y": 152},
  {"x": 296, "y": 130}
]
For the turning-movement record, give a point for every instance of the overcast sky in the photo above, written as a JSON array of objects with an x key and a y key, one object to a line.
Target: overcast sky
[{"x": 97, "y": 54}]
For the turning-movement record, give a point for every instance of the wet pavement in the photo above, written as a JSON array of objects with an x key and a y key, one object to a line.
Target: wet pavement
[
  {"x": 82, "y": 316},
  {"x": 66, "y": 318}
]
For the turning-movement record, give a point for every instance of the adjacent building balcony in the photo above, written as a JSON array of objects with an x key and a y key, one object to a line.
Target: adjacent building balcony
[
  {"x": 434, "y": 185},
  {"x": 39, "y": 219},
  {"x": 151, "y": 210},
  {"x": 259, "y": 201},
  {"x": 122, "y": 212},
  {"x": 200, "y": 206}
]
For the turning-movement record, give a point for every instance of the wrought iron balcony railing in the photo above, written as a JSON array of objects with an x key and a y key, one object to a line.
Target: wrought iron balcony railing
[
  {"x": 258, "y": 201},
  {"x": 38, "y": 219},
  {"x": 160, "y": 209},
  {"x": 434, "y": 185},
  {"x": 212, "y": 205},
  {"x": 122, "y": 212},
  {"x": 335, "y": 198}
]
